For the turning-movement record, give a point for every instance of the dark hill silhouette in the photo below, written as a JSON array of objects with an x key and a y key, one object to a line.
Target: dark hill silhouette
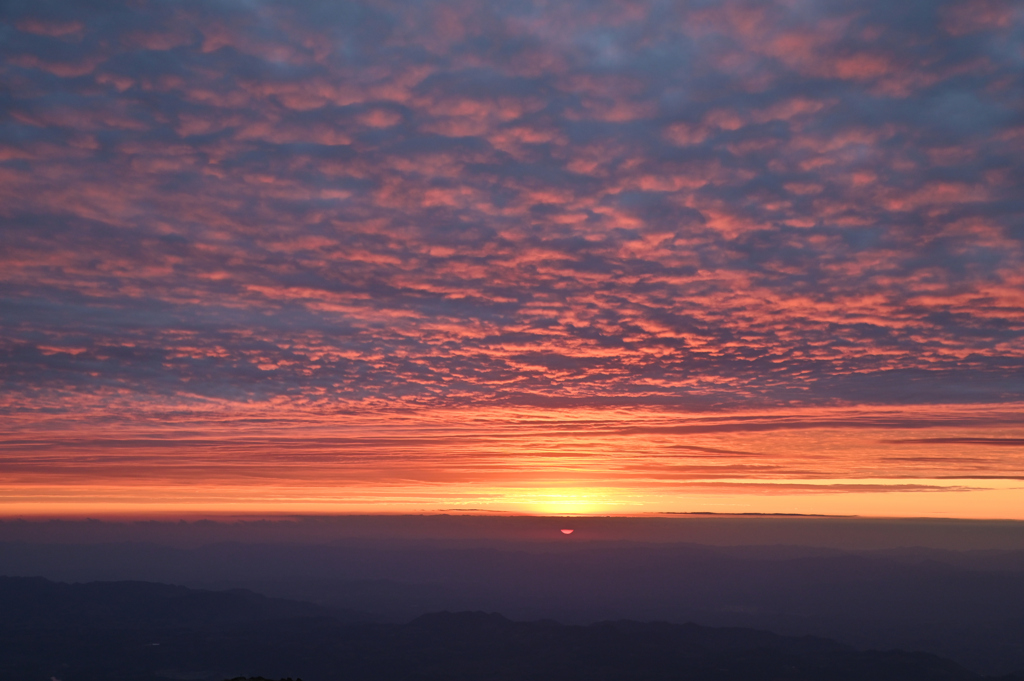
[
  {"x": 966, "y": 606},
  {"x": 132, "y": 631}
]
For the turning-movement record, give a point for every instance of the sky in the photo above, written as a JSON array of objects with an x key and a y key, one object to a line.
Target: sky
[{"x": 549, "y": 257}]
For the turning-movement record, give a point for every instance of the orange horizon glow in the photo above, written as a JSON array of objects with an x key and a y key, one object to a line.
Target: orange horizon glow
[{"x": 566, "y": 462}]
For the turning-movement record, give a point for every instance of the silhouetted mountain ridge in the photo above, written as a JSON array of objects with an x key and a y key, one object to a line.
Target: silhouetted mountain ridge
[{"x": 101, "y": 631}]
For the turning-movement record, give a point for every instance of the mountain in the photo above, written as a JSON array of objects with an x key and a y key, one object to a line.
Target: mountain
[
  {"x": 964, "y": 605},
  {"x": 135, "y": 631}
]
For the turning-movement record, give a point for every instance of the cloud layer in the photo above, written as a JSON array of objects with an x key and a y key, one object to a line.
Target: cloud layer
[{"x": 342, "y": 208}]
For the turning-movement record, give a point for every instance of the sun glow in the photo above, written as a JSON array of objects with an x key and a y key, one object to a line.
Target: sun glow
[{"x": 567, "y": 502}]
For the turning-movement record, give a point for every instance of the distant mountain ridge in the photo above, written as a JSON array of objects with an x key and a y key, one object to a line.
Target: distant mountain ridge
[
  {"x": 138, "y": 631},
  {"x": 966, "y": 606}
]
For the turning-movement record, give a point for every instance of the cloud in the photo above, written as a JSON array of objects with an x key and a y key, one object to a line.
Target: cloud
[
  {"x": 390, "y": 206},
  {"x": 982, "y": 441}
]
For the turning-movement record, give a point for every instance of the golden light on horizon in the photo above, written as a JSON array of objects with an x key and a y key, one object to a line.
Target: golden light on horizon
[{"x": 965, "y": 498}]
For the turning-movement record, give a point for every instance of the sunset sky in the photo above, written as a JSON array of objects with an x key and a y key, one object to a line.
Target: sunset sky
[{"x": 548, "y": 257}]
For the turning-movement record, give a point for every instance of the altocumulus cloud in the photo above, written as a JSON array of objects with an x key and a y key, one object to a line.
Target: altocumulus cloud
[{"x": 432, "y": 204}]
